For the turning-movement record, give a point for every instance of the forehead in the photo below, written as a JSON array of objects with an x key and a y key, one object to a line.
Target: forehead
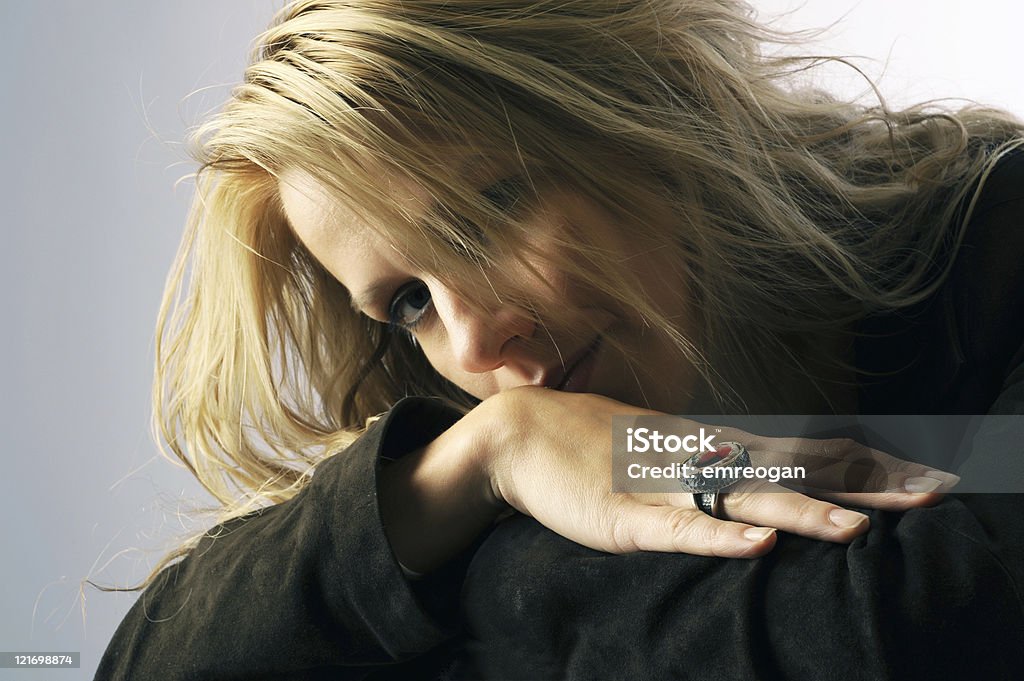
[
  {"x": 323, "y": 220},
  {"x": 310, "y": 204},
  {"x": 340, "y": 238}
]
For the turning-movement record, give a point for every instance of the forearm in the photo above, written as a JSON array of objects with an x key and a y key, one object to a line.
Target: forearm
[{"x": 436, "y": 500}]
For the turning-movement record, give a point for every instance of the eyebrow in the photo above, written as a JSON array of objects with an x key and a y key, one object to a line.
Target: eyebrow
[{"x": 366, "y": 301}]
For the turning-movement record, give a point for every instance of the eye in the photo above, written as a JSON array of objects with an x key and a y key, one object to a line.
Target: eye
[
  {"x": 505, "y": 194},
  {"x": 409, "y": 305}
]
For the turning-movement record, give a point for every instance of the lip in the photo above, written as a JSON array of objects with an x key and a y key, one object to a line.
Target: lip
[{"x": 577, "y": 370}]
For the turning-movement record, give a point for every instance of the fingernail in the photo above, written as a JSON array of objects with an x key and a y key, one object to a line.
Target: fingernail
[
  {"x": 949, "y": 479},
  {"x": 756, "y": 534},
  {"x": 841, "y": 517},
  {"x": 921, "y": 485}
]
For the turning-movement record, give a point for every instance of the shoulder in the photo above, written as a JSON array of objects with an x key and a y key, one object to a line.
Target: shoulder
[
  {"x": 1003, "y": 186},
  {"x": 952, "y": 353},
  {"x": 986, "y": 285}
]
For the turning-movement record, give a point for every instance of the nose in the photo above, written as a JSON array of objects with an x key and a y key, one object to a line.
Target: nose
[{"x": 481, "y": 341}]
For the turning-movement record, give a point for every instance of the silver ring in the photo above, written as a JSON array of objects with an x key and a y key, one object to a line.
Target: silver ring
[{"x": 708, "y": 502}]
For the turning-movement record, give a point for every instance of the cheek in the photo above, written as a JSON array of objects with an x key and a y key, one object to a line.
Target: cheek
[
  {"x": 433, "y": 351},
  {"x": 440, "y": 357}
]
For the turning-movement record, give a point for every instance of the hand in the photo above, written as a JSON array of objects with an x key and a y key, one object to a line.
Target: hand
[{"x": 547, "y": 455}]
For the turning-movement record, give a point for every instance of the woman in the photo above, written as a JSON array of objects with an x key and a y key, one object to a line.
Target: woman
[{"x": 548, "y": 214}]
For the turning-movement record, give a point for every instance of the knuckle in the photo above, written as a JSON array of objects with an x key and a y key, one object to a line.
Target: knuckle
[
  {"x": 718, "y": 539},
  {"x": 747, "y": 499},
  {"x": 865, "y": 475},
  {"x": 685, "y": 527},
  {"x": 623, "y": 539},
  {"x": 680, "y": 521},
  {"x": 701, "y": 534},
  {"x": 619, "y": 531},
  {"x": 807, "y": 511},
  {"x": 842, "y": 447},
  {"x": 737, "y": 504},
  {"x": 760, "y": 503},
  {"x": 881, "y": 479}
]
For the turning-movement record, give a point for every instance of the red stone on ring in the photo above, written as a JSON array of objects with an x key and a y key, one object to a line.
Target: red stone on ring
[{"x": 708, "y": 458}]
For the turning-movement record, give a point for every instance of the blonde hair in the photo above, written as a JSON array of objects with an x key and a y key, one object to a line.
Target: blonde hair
[{"x": 810, "y": 212}]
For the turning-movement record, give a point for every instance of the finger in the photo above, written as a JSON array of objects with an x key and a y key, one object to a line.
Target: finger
[
  {"x": 842, "y": 448},
  {"x": 845, "y": 465},
  {"x": 900, "y": 491},
  {"x": 676, "y": 529},
  {"x": 847, "y": 449},
  {"x": 771, "y": 505},
  {"x": 884, "y": 501}
]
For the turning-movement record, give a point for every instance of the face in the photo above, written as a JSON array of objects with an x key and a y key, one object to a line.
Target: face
[{"x": 502, "y": 347}]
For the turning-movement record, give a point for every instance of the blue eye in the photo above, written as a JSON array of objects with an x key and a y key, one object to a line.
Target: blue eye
[
  {"x": 506, "y": 193},
  {"x": 409, "y": 305},
  {"x": 505, "y": 196}
]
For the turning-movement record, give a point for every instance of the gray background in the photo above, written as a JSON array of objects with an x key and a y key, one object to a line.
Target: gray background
[{"x": 93, "y": 114}]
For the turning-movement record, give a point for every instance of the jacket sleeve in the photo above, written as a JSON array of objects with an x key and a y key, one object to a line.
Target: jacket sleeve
[
  {"x": 933, "y": 593},
  {"x": 307, "y": 589}
]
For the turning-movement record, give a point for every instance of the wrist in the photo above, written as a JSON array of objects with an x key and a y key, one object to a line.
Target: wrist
[
  {"x": 435, "y": 500},
  {"x": 477, "y": 442},
  {"x": 499, "y": 428}
]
